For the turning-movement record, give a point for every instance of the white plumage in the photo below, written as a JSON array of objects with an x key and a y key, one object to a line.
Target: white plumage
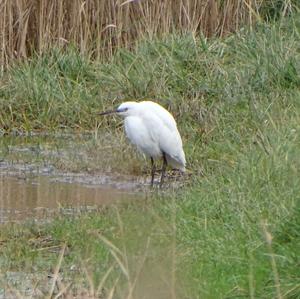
[{"x": 153, "y": 130}]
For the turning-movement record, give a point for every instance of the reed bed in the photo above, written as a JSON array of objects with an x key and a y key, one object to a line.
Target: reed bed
[
  {"x": 97, "y": 27},
  {"x": 232, "y": 230}
]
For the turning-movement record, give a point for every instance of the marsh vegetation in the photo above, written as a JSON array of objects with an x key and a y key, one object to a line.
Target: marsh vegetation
[{"x": 232, "y": 229}]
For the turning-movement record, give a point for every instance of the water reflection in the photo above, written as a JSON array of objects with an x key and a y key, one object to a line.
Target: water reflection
[{"x": 21, "y": 198}]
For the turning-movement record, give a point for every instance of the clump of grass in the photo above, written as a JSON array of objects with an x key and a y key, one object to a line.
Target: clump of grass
[{"x": 97, "y": 263}]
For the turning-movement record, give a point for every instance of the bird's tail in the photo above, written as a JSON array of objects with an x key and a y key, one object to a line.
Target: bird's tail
[{"x": 182, "y": 169}]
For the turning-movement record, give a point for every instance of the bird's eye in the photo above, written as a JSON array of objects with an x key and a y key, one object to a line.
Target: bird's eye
[{"x": 125, "y": 109}]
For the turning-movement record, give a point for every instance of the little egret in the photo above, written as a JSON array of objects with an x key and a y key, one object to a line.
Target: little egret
[{"x": 153, "y": 130}]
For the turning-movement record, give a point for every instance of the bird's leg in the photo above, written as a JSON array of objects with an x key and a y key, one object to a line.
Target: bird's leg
[
  {"x": 163, "y": 170},
  {"x": 152, "y": 171}
]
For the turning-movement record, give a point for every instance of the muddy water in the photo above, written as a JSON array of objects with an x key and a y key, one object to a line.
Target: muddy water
[
  {"x": 41, "y": 175},
  {"x": 41, "y": 197}
]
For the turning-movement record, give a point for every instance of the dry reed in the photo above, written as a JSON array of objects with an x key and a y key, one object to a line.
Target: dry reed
[{"x": 97, "y": 27}]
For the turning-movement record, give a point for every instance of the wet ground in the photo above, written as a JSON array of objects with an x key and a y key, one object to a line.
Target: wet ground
[
  {"x": 42, "y": 197},
  {"x": 33, "y": 187},
  {"x": 45, "y": 176}
]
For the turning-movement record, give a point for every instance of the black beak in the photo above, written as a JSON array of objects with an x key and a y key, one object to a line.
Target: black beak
[{"x": 107, "y": 112}]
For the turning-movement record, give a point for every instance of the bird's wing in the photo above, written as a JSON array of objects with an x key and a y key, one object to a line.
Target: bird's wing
[
  {"x": 163, "y": 130},
  {"x": 164, "y": 115},
  {"x": 142, "y": 136},
  {"x": 171, "y": 145}
]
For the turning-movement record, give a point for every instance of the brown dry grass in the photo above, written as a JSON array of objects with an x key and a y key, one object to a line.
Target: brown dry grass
[{"x": 97, "y": 27}]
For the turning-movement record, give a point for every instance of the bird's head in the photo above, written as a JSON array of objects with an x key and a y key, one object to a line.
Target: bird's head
[{"x": 124, "y": 110}]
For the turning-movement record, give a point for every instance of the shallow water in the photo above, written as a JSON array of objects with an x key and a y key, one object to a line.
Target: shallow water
[
  {"x": 32, "y": 187},
  {"x": 42, "y": 196},
  {"x": 44, "y": 177}
]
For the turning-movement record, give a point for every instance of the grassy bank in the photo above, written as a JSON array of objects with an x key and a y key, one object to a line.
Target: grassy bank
[
  {"x": 233, "y": 231},
  {"x": 193, "y": 77}
]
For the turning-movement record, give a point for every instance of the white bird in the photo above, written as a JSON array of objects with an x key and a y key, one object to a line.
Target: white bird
[{"x": 153, "y": 130}]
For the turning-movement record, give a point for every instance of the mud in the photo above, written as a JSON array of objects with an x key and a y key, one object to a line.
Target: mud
[
  {"x": 33, "y": 187},
  {"x": 41, "y": 197}
]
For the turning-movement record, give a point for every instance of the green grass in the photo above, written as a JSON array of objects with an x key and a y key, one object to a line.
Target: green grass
[{"x": 237, "y": 102}]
